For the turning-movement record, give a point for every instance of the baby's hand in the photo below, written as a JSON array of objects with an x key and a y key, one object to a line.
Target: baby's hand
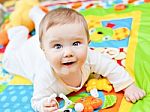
[
  {"x": 133, "y": 93},
  {"x": 49, "y": 106}
]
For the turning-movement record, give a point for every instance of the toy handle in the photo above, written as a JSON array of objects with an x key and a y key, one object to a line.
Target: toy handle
[
  {"x": 67, "y": 102},
  {"x": 53, "y": 96},
  {"x": 94, "y": 93},
  {"x": 61, "y": 95}
]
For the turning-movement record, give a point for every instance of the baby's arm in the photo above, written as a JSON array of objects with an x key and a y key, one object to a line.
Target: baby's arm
[
  {"x": 117, "y": 75},
  {"x": 43, "y": 95},
  {"x": 133, "y": 93},
  {"x": 105, "y": 66}
]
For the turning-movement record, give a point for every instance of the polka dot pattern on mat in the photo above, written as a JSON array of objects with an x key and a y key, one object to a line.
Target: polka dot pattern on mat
[{"x": 16, "y": 98}]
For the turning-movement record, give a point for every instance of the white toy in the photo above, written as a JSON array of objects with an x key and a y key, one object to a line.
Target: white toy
[
  {"x": 78, "y": 107},
  {"x": 94, "y": 93},
  {"x": 67, "y": 102}
]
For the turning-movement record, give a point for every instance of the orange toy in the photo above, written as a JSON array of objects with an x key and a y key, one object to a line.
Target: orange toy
[
  {"x": 3, "y": 37},
  {"x": 3, "y": 34},
  {"x": 90, "y": 103}
]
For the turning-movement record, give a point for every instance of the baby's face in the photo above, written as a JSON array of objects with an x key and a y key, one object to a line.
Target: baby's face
[{"x": 66, "y": 47}]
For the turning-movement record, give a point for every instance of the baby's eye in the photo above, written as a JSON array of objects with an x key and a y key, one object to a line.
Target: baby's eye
[
  {"x": 58, "y": 46},
  {"x": 76, "y": 43}
]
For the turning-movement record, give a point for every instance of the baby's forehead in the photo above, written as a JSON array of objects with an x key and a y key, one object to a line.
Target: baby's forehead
[
  {"x": 62, "y": 32},
  {"x": 66, "y": 27},
  {"x": 66, "y": 30},
  {"x": 75, "y": 23}
]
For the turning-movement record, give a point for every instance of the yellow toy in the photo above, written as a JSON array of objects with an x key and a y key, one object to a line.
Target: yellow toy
[
  {"x": 99, "y": 84},
  {"x": 20, "y": 16}
]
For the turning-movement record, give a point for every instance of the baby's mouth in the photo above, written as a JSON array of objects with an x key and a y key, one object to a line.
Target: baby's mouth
[{"x": 68, "y": 63}]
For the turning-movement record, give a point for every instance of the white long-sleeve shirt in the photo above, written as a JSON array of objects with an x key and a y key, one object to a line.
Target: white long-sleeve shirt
[{"x": 28, "y": 60}]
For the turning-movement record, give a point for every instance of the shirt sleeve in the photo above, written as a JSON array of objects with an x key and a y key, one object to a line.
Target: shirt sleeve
[
  {"x": 107, "y": 67},
  {"x": 43, "y": 86}
]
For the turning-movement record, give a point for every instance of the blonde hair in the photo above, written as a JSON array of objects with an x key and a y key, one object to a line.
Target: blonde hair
[{"x": 61, "y": 16}]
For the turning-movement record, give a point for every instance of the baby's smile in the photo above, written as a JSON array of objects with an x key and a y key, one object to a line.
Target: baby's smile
[{"x": 68, "y": 63}]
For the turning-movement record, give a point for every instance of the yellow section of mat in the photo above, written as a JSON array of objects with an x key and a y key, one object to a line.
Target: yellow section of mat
[{"x": 19, "y": 80}]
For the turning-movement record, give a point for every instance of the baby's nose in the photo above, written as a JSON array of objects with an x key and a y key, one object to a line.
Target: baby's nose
[{"x": 68, "y": 52}]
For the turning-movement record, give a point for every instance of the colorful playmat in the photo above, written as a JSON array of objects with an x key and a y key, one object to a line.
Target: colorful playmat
[{"x": 116, "y": 31}]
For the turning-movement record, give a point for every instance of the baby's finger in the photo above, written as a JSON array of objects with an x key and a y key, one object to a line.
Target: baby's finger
[
  {"x": 53, "y": 103},
  {"x": 46, "y": 102},
  {"x": 137, "y": 96},
  {"x": 142, "y": 94},
  {"x": 132, "y": 99},
  {"x": 127, "y": 99},
  {"x": 50, "y": 109}
]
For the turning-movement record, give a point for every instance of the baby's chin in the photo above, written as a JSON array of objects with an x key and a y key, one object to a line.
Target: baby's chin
[{"x": 66, "y": 71}]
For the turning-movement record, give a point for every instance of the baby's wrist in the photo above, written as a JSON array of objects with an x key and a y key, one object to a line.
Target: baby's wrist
[{"x": 128, "y": 87}]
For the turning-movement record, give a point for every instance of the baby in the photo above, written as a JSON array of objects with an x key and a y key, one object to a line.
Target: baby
[{"x": 58, "y": 60}]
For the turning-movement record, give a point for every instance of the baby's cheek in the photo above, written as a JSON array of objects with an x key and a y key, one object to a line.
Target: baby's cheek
[
  {"x": 82, "y": 57},
  {"x": 53, "y": 61}
]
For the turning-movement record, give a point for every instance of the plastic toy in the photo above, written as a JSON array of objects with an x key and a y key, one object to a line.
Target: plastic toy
[
  {"x": 20, "y": 17},
  {"x": 107, "y": 101},
  {"x": 79, "y": 107},
  {"x": 100, "y": 84},
  {"x": 67, "y": 102},
  {"x": 110, "y": 100},
  {"x": 94, "y": 92},
  {"x": 89, "y": 103},
  {"x": 85, "y": 104},
  {"x": 3, "y": 35}
]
